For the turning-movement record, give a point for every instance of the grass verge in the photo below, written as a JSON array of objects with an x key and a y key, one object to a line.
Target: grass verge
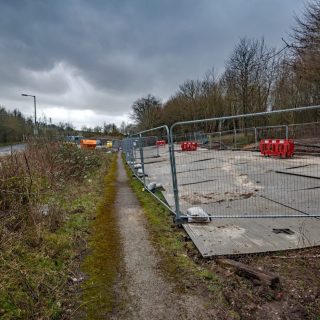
[
  {"x": 102, "y": 263},
  {"x": 41, "y": 241},
  {"x": 180, "y": 260}
]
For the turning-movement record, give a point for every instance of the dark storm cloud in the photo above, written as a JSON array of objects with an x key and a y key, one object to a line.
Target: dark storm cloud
[{"x": 125, "y": 49}]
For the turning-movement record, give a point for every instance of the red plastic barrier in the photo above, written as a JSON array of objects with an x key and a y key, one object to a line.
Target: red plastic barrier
[
  {"x": 277, "y": 147},
  {"x": 160, "y": 143},
  {"x": 189, "y": 146}
]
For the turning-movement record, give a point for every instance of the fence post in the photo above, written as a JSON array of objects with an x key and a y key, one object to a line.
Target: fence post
[
  {"x": 135, "y": 147},
  {"x": 130, "y": 150},
  {"x": 158, "y": 152},
  {"x": 287, "y": 132},
  {"x": 174, "y": 176},
  {"x": 142, "y": 160},
  {"x": 220, "y": 140},
  {"x": 235, "y": 138},
  {"x": 255, "y": 138},
  {"x": 133, "y": 151}
]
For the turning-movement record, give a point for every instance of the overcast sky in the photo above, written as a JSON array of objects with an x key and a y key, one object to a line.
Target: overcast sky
[{"x": 87, "y": 61}]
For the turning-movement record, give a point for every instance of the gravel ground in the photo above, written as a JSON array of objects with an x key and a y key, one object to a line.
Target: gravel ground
[{"x": 143, "y": 290}]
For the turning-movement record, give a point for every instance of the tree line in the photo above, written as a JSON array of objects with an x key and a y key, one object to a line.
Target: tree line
[
  {"x": 256, "y": 78},
  {"x": 15, "y": 127}
]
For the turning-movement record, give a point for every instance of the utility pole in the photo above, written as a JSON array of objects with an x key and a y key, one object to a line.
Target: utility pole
[{"x": 35, "y": 130}]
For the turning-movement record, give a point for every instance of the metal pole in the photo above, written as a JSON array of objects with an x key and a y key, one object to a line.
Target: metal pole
[
  {"x": 142, "y": 160},
  {"x": 35, "y": 130},
  {"x": 157, "y": 146},
  {"x": 172, "y": 166},
  {"x": 255, "y": 138},
  {"x": 246, "y": 115},
  {"x": 287, "y": 132},
  {"x": 129, "y": 150},
  {"x": 35, "y": 115},
  {"x": 235, "y": 138},
  {"x": 174, "y": 176}
]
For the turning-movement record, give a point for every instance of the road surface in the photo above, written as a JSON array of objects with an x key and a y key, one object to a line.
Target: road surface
[{"x": 4, "y": 151}]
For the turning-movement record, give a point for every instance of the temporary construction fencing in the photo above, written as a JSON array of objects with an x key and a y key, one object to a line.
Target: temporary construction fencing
[
  {"x": 221, "y": 173},
  {"x": 148, "y": 154}
]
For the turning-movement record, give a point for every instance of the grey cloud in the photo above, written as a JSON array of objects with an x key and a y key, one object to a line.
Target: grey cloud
[{"x": 127, "y": 48}]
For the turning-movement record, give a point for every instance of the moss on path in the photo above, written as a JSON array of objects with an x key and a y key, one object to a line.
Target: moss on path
[{"x": 102, "y": 263}]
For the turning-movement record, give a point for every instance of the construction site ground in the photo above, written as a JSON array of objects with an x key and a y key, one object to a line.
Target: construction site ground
[{"x": 250, "y": 191}]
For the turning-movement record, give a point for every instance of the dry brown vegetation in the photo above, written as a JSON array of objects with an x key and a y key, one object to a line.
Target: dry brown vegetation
[
  {"x": 296, "y": 297},
  {"x": 47, "y": 195}
]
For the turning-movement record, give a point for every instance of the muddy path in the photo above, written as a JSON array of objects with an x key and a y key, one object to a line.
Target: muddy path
[{"x": 144, "y": 291}]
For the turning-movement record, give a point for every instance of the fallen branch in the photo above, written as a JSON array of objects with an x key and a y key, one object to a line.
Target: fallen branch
[
  {"x": 251, "y": 273},
  {"x": 296, "y": 257}
]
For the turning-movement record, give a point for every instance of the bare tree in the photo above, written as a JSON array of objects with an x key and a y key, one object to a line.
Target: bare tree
[
  {"x": 250, "y": 73},
  {"x": 97, "y": 129},
  {"x": 110, "y": 129},
  {"x": 122, "y": 127},
  {"x": 189, "y": 94},
  {"x": 196, "y": 99},
  {"x": 306, "y": 50},
  {"x": 146, "y": 112}
]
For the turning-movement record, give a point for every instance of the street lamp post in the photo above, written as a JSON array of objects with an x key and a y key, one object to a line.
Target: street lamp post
[{"x": 35, "y": 131}]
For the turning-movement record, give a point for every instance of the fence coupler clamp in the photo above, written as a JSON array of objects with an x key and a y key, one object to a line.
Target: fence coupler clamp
[{"x": 180, "y": 220}]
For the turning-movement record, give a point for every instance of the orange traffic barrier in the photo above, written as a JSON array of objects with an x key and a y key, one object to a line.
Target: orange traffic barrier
[{"x": 88, "y": 144}]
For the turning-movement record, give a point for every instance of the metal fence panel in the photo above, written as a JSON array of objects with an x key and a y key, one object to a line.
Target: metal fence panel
[
  {"x": 228, "y": 177},
  {"x": 148, "y": 155}
]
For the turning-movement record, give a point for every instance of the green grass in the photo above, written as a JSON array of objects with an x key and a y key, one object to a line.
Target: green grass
[
  {"x": 180, "y": 261},
  {"x": 35, "y": 271},
  {"x": 103, "y": 260},
  {"x": 175, "y": 252},
  {"x": 37, "y": 262}
]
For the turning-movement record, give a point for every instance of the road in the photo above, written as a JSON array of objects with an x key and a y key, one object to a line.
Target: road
[{"x": 7, "y": 150}]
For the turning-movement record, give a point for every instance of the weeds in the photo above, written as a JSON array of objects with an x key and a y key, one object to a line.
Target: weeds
[
  {"x": 46, "y": 197},
  {"x": 101, "y": 266},
  {"x": 179, "y": 258}
]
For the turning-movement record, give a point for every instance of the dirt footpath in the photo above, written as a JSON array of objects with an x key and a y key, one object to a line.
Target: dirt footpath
[{"x": 142, "y": 289}]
